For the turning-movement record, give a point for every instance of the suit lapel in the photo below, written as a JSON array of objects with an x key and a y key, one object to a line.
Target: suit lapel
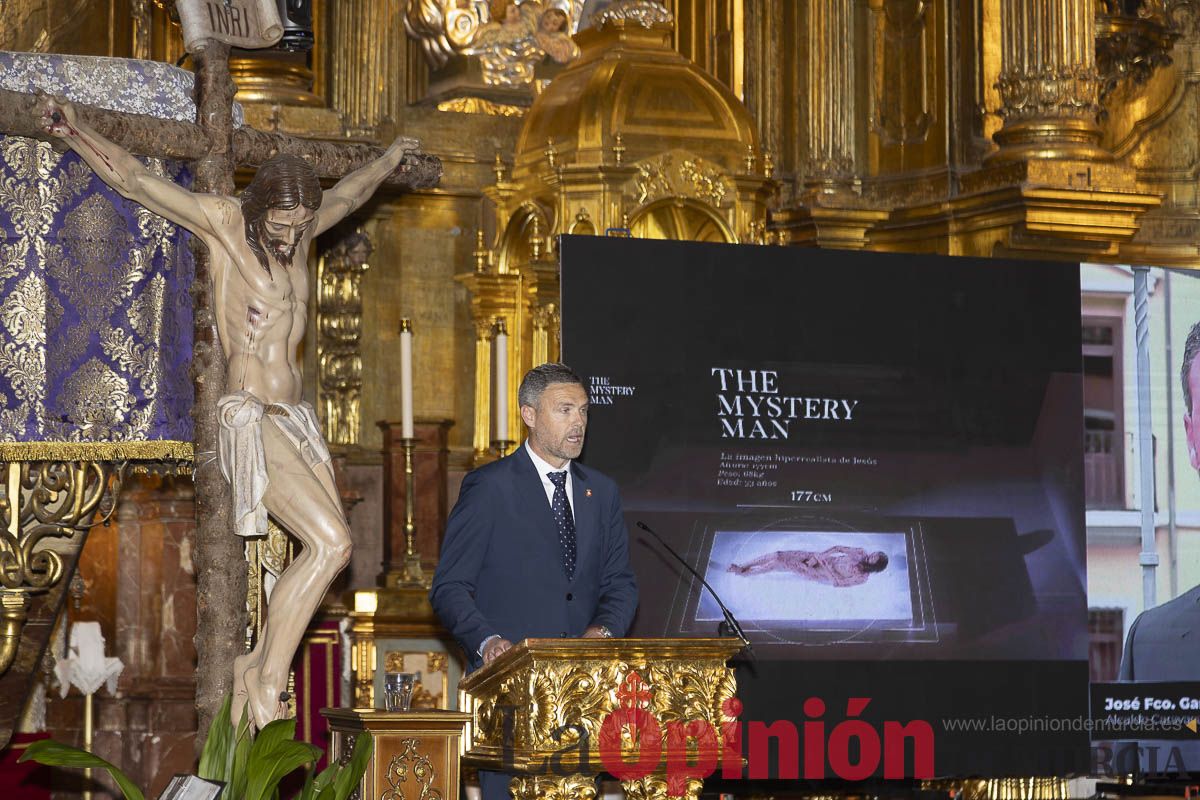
[
  {"x": 585, "y": 514},
  {"x": 532, "y": 497}
]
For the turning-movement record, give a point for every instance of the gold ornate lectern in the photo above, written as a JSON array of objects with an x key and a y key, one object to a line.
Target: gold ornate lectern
[{"x": 540, "y": 711}]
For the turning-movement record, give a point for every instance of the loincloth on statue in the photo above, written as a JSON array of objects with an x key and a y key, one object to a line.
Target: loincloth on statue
[{"x": 243, "y": 460}]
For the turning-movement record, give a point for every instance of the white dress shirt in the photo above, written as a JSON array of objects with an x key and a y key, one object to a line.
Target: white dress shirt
[{"x": 544, "y": 470}]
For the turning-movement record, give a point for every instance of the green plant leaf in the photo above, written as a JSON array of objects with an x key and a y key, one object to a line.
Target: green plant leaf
[
  {"x": 320, "y": 786},
  {"x": 236, "y": 788},
  {"x": 215, "y": 759},
  {"x": 268, "y": 768},
  {"x": 280, "y": 730},
  {"x": 351, "y": 774},
  {"x": 56, "y": 754},
  {"x": 306, "y": 793},
  {"x": 274, "y": 754}
]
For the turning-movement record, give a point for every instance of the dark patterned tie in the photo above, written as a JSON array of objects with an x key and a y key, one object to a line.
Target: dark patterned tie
[{"x": 564, "y": 520}]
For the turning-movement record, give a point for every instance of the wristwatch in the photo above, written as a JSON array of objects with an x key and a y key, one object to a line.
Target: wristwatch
[{"x": 605, "y": 633}]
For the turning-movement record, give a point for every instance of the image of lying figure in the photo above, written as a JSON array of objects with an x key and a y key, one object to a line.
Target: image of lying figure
[{"x": 835, "y": 566}]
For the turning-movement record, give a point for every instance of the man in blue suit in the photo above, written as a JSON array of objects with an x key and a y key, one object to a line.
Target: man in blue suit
[
  {"x": 1164, "y": 642},
  {"x": 536, "y": 545}
]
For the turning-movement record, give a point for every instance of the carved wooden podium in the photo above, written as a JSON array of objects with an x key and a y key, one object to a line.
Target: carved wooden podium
[
  {"x": 416, "y": 752},
  {"x": 539, "y": 711}
]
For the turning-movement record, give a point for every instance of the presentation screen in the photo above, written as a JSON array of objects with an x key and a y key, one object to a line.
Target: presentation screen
[{"x": 875, "y": 461}]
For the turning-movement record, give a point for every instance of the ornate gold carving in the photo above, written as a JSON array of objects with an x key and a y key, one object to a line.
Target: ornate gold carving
[
  {"x": 411, "y": 764},
  {"x": 1049, "y": 86},
  {"x": 1049, "y": 65},
  {"x": 1004, "y": 788},
  {"x": 640, "y": 12},
  {"x": 275, "y": 552},
  {"x": 508, "y": 48},
  {"x": 656, "y": 787},
  {"x": 1130, "y": 47},
  {"x": 583, "y": 225},
  {"x": 679, "y": 175},
  {"x": 266, "y": 558},
  {"x": 362, "y": 653},
  {"x": 442, "y": 28},
  {"x": 679, "y": 218},
  {"x": 96, "y": 451},
  {"x": 545, "y": 332},
  {"x": 1070, "y": 90},
  {"x": 480, "y": 105},
  {"x": 583, "y": 692},
  {"x": 339, "y": 333},
  {"x": 547, "y": 787},
  {"x": 43, "y": 501}
]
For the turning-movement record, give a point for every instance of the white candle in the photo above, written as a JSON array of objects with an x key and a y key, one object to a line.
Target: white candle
[
  {"x": 406, "y": 379},
  {"x": 500, "y": 401}
]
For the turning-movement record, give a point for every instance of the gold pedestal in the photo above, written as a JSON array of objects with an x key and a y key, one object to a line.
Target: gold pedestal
[{"x": 416, "y": 752}]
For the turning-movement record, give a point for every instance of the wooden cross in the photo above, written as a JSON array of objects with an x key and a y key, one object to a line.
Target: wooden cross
[{"x": 215, "y": 149}]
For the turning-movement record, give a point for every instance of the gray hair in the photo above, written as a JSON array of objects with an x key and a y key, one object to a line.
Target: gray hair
[
  {"x": 1191, "y": 349},
  {"x": 540, "y": 377}
]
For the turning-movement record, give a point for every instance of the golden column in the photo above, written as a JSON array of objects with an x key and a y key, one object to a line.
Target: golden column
[
  {"x": 495, "y": 296},
  {"x": 830, "y": 47},
  {"x": 364, "y": 57},
  {"x": 1049, "y": 85},
  {"x": 831, "y": 211},
  {"x": 541, "y": 285}
]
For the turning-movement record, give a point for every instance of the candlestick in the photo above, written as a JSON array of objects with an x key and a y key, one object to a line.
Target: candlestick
[
  {"x": 406, "y": 379},
  {"x": 500, "y": 401},
  {"x": 413, "y": 574}
]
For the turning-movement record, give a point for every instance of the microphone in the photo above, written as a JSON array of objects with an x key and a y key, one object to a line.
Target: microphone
[{"x": 730, "y": 626}]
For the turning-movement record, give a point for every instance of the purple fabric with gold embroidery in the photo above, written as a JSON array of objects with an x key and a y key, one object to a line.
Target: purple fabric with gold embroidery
[{"x": 95, "y": 316}]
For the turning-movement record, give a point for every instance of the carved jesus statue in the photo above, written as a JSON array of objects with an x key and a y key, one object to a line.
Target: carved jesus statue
[{"x": 271, "y": 448}]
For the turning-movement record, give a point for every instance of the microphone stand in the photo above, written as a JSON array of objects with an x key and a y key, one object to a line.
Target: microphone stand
[{"x": 730, "y": 625}]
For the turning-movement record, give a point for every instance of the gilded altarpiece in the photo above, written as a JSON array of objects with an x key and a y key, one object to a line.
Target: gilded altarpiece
[{"x": 630, "y": 139}]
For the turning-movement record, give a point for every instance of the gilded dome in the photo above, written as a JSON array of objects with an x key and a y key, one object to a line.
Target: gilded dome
[{"x": 629, "y": 81}]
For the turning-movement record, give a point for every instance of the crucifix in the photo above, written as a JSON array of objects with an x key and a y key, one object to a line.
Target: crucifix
[{"x": 249, "y": 314}]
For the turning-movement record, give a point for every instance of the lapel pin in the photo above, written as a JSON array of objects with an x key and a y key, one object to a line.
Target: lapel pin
[{"x": 587, "y": 493}]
